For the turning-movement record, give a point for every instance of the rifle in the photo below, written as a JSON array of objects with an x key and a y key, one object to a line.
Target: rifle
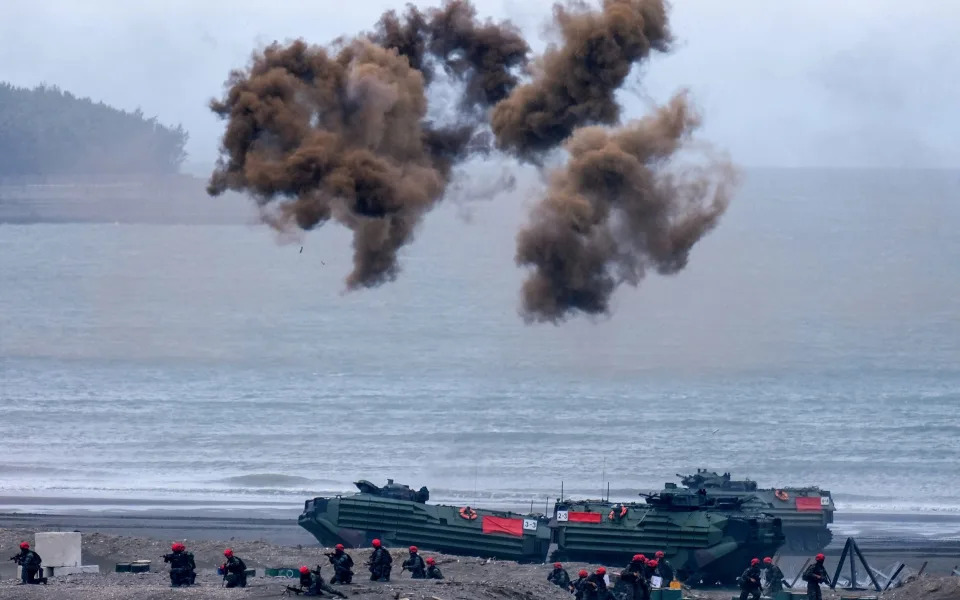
[
  {"x": 16, "y": 558},
  {"x": 290, "y": 588}
]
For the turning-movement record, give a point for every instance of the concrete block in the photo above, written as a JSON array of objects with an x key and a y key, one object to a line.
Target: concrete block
[
  {"x": 61, "y": 571},
  {"x": 59, "y": 548}
]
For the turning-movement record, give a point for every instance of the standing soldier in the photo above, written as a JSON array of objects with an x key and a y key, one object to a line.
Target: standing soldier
[
  {"x": 814, "y": 576},
  {"x": 774, "y": 576},
  {"x": 234, "y": 570},
  {"x": 342, "y": 565},
  {"x": 182, "y": 566},
  {"x": 381, "y": 563},
  {"x": 559, "y": 576},
  {"x": 750, "y": 581},
  {"x": 433, "y": 571},
  {"x": 415, "y": 565},
  {"x": 30, "y": 563},
  {"x": 664, "y": 568}
]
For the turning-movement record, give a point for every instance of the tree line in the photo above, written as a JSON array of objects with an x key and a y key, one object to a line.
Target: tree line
[{"x": 48, "y": 131}]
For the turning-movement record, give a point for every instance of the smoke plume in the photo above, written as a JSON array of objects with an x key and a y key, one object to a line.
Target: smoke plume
[
  {"x": 316, "y": 133},
  {"x": 617, "y": 209},
  {"x": 576, "y": 81},
  {"x": 342, "y": 132}
]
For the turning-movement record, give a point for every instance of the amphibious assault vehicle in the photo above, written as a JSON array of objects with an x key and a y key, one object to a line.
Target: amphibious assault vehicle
[
  {"x": 804, "y": 511},
  {"x": 394, "y": 516},
  {"x": 707, "y": 539}
]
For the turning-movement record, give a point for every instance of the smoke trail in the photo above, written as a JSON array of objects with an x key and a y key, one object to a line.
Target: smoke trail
[
  {"x": 616, "y": 209},
  {"x": 576, "y": 83},
  {"x": 316, "y": 134}
]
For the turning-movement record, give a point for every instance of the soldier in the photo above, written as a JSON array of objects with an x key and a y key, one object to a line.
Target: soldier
[
  {"x": 774, "y": 576},
  {"x": 234, "y": 570},
  {"x": 750, "y": 581},
  {"x": 381, "y": 563},
  {"x": 342, "y": 565},
  {"x": 30, "y": 565},
  {"x": 664, "y": 568},
  {"x": 577, "y": 587},
  {"x": 182, "y": 566},
  {"x": 559, "y": 576},
  {"x": 314, "y": 585},
  {"x": 634, "y": 580},
  {"x": 415, "y": 565},
  {"x": 814, "y": 575},
  {"x": 433, "y": 571},
  {"x": 595, "y": 587}
]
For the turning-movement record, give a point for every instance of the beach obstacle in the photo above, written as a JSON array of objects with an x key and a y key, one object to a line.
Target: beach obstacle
[{"x": 61, "y": 553}]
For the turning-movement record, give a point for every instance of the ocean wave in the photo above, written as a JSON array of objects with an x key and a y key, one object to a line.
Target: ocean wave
[{"x": 262, "y": 480}]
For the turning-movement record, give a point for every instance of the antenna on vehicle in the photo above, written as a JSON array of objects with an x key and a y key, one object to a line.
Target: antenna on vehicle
[
  {"x": 603, "y": 475},
  {"x": 608, "y": 491},
  {"x": 561, "y": 490}
]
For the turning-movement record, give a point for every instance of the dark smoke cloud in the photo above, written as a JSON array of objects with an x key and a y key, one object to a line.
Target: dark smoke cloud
[
  {"x": 341, "y": 133},
  {"x": 617, "y": 209},
  {"x": 576, "y": 81}
]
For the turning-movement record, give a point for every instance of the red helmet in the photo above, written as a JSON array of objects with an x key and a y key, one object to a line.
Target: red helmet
[
  {"x": 431, "y": 560},
  {"x": 643, "y": 557},
  {"x": 601, "y": 571},
  {"x": 339, "y": 547},
  {"x": 583, "y": 573},
  {"x": 767, "y": 560},
  {"x": 375, "y": 543},
  {"x": 637, "y": 557},
  {"x": 754, "y": 562},
  {"x": 24, "y": 546},
  {"x": 177, "y": 547},
  {"x": 557, "y": 565},
  {"x": 652, "y": 562},
  {"x": 228, "y": 552},
  {"x": 820, "y": 557},
  {"x": 659, "y": 553},
  {"x": 413, "y": 549},
  {"x": 304, "y": 570}
]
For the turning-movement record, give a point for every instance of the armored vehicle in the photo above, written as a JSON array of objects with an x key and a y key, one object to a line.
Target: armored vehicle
[
  {"x": 708, "y": 540},
  {"x": 804, "y": 511},
  {"x": 355, "y": 520}
]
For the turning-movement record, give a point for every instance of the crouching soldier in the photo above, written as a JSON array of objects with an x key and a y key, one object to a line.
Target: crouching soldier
[
  {"x": 30, "y": 565},
  {"x": 433, "y": 571},
  {"x": 234, "y": 570},
  {"x": 342, "y": 565},
  {"x": 183, "y": 569},
  {"x": 312, "y": 583},
  {"x": 559, "y": 576},
  {"x": 577, "y": 586},
  {"x": 415, "y": 565},
  {"x": 380, "y": 563}
]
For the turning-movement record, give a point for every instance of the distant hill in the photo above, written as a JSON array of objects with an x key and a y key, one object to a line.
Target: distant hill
[{"x": 46, "y": 132}]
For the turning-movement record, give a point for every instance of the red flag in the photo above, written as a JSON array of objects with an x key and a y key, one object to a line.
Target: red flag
[
  {"x": 501, "y": 525},
  {"x": 809, "y": 503},
  {"x": 585, "y": 517}
]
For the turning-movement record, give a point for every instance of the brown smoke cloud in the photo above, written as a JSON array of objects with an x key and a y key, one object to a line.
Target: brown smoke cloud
[
  {"x": 316, "y": 134},
  {"x": 576, "y": 81},
  {"x": 615, "y": 210},
  {"x": 342, "y": 132}
]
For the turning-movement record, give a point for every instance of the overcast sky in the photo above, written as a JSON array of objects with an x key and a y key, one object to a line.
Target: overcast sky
[{"x": 802, "y": 83}]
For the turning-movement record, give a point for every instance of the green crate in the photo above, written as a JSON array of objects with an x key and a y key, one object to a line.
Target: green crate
[
  {"x": 290, "y": 572},
  {"x": 123, "y": 567},
  {"x": 250, "y": 572},
  {"x": 668, "y": 594}
]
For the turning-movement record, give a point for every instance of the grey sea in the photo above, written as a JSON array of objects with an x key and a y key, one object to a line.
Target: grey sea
[{"x": 814, "y": 339}]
